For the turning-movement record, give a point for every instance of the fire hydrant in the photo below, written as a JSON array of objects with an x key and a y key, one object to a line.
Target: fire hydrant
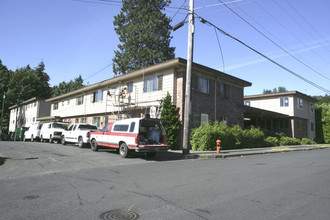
[{"x": 218, "y": 146}]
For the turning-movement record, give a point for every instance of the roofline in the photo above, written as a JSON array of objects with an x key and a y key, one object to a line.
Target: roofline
[
  {"x": 174, "y": 63},
  {"x": 296, "y": 93},
  {"x": 27, "y": 101}
]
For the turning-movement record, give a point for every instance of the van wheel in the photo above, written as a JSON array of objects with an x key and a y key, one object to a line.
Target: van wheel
[
  {"x": 80, "y": 142},
  {"x": 123, "y": 150},
  {"x": 63, "y": 140},
  {"x": 94, "y": 146}
]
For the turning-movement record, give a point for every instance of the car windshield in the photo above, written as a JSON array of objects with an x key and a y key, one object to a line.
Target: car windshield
[
  {"x": 60, "y": 125},
  {"x": 88, "y": 127}
]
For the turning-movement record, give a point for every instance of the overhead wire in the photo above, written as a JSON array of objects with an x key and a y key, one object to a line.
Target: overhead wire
[
  {"x": 287, "y": 52},
  {"x": 179, "y": 9},
  {"x": 223, "y": 61},
  {"x": 266, "y": 57}
]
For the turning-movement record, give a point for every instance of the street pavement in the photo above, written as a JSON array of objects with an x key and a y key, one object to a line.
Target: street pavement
[{"x": 52, "y": 181}]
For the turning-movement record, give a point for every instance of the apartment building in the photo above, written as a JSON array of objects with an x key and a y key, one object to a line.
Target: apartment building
[
  {"x": 215, "y": 96},
  {"x": 290, "y": 112},
  {"x": 29, "y": 111}
]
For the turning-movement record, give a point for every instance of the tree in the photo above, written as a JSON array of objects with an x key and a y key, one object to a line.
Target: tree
[
  {"x": 144, "y": 33},
  {"x": 170, "y": 120},
  {"x": 275, "y": 90},
  {"x": 43, "y": 88},
  {"x": 4, "y": 79},
  {"x": 65, "y": 87}
]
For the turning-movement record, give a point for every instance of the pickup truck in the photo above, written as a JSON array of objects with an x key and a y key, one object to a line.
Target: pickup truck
[
  {"x": 78, "y": 133},
  {"x": 136, "y": 134}
]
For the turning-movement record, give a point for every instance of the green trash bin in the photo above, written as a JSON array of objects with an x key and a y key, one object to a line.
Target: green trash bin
[{"x": 19, "y": 133}]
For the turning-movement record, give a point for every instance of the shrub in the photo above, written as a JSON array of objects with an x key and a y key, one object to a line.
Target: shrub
[
  {"x": 271, "y": 141},
  {"x": 289, "y": 141},
  {"x": 306, "y": 141}
]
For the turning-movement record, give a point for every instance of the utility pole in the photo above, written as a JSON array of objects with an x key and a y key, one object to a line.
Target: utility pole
[
  {"x": 187, "y": 106},
  {"x": 2, "y": 109}
]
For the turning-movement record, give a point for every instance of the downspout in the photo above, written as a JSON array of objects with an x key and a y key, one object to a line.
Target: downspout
[{"x": 215, "y": 99}]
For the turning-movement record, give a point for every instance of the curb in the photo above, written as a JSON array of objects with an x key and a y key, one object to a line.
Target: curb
[{"x": 252, "y": 152}]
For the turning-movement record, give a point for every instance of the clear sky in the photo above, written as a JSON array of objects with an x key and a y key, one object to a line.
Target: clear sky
[{"x": 75, "y": 37}]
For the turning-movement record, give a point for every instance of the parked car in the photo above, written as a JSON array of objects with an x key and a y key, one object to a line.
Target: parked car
[
  {"x": 33, "y": 133},
  {"x": 136, "y": 134},
  {"x": 52, "y": 131},
  {"x": 78, "y": 134}
]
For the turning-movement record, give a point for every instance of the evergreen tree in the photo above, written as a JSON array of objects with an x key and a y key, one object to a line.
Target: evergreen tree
[
  {"x": 170, "y": 120},
  {"x": 4, "y": 80},
  {"x": 43, "y": 88},
  {"x": 144, "y": 33},
  {"x": 65, "y": 87}
]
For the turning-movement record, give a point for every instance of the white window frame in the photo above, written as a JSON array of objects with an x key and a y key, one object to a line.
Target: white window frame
[{"x": 284, "y": 101}]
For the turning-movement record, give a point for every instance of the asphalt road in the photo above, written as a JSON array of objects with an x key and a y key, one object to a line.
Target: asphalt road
[{"x": 51, "y": 181}]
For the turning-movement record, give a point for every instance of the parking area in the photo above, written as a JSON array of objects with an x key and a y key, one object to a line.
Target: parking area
[{"x": 23, "y": 159}]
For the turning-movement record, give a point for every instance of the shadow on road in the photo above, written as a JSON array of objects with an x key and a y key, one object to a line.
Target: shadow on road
[{"x": 3, "y": 160}]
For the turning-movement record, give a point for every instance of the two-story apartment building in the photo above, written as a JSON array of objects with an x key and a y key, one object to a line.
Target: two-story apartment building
[
  {"x": 215, "y": 95},
  {"x": 29, "y": 111},
  {"x": 290, "y": 112}
]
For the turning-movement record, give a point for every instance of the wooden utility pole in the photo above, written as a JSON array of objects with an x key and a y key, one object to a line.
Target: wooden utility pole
[{"x": 187, "y": 106}]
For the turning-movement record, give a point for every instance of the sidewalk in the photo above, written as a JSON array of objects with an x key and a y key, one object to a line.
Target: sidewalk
[{"x": 250, "y": 151}]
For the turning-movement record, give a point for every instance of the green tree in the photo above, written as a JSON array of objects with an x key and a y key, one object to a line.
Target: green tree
[
  {"x": 65, "y": 87},
  {"x": 44, "y": 90},
  {"x": 4, "y": 80},
  {"x": 170, "y": 120},
  {"x": 275, "y": 90},
  {"x": 144, "y": 33}
]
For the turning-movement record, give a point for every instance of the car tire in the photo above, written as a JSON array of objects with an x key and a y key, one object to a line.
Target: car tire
[
  {"x": 123, "y": 150},
  {"x": 63, "y": 140},
  {"x": 94, "y": 146},
  {"x": 80, "y": 142}
]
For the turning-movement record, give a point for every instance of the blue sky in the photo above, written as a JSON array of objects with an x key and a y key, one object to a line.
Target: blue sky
[{"x": 77, "y": 37}]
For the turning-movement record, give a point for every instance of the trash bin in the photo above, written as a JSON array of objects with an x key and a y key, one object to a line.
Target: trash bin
[{"x": 19, "y": 133}]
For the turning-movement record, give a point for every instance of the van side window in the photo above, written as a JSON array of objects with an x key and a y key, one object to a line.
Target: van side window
[
  {"x": 131, "y": 129},
  {"x": 120, "y": 128}
]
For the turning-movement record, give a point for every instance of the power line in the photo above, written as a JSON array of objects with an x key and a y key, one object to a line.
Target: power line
[
  {"x": 223, "y": 61},
  {"x": 98, "y": 71},
  {"x": 274, "y": 42},
  {"x": 266, "y": 57},
  {"x": 179, "y": 9}
]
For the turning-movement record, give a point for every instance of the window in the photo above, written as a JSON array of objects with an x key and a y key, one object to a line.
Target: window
[
  {"x": 131, "y": 129},
  {"x": 62, "y": 103},
  {"x": 247, "y": 102},
  {"x": 77, "y": 120},
  {"x": 154, "y": 83},
  {"x": 312, "y": 107},
  {"x": 80, "y": 100},
  {"x": 96, "y": 121},
  {"x": 284, "y": 101},
  {"x": 204, "y": 118},
  {"x": 68, "y": 102},
  {"x": 35, "y": 104},
  {"x": 83, "y": 120},
  {"x": 300, "y": 103},
  {"x": 130, "y": 87},
  {"x": 224, "y": 88},
  {"x": 312, "y": 126},
  {"x": 119, "y": 127},
  {"x": 97, "y": 96},
  {"x": 203, "y": 85},
  {"x": 284, "y": 124},
  {"x": 55, "y": 106},
  {"x": 34, "y": 119},
  {"x": 224, "y": 119},
  {"x": 106, "y": 128}
]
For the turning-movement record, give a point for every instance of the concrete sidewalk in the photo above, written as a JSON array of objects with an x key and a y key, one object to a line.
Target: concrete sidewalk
[{"x": 250, "y": 151}]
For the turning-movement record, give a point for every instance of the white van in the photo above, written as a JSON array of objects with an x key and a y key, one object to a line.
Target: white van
[
  {"x": 33, "y": 133},
  {"x": 52, "y": 131}
]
